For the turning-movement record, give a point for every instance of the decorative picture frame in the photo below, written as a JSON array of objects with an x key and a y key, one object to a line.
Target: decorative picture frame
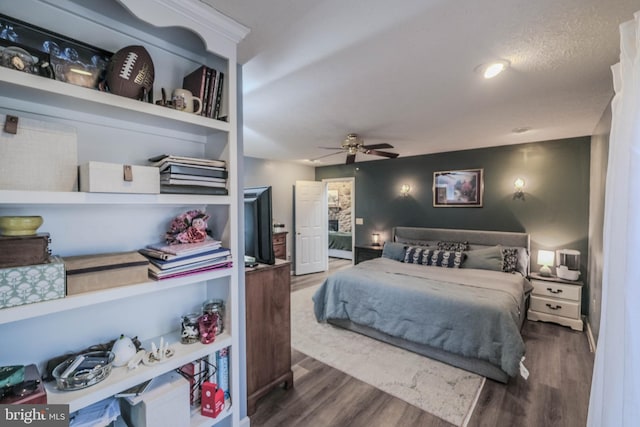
[
  {"x": 332, "y": 198},
  {"x": 72, "y": 61},
  {"x": 458, "y": 188}
]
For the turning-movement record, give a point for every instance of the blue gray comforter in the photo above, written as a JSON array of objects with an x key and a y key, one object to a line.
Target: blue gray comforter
[{"x": 469, "y": 312}]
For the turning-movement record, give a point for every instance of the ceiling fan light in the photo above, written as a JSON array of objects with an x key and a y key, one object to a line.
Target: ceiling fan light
[{"x": 492, "y": 69}]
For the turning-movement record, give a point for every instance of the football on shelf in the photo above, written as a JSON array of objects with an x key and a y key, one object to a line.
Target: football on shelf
[{"x": 130, "y": 72}]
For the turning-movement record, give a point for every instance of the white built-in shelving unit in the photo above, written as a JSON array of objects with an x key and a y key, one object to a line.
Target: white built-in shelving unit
[{"x": 180, "y": 35}]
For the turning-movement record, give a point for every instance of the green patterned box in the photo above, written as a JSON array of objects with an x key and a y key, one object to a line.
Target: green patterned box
[{"x": 32, "y": 283}]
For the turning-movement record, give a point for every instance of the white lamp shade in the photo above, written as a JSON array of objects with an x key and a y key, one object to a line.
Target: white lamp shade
[{"x": 545, "y": 257}]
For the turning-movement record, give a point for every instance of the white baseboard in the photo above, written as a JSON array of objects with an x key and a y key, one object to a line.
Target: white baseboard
[
  {"x": 590, "y": 338},
  {"x": 245, "y": 422}
]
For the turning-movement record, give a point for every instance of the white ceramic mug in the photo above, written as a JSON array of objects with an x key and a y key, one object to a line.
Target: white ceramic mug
[{"x": 183, "y": 100}]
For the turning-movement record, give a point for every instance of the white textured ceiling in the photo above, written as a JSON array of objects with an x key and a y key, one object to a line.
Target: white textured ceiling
[{"x": 402, "y": 72}]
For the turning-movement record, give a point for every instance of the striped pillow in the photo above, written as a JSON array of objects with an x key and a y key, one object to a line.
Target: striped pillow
[{"x": 433, "y": 257}]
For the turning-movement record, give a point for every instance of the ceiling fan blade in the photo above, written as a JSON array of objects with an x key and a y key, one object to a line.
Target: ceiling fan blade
[
  {"x": 376, "y": 146},
  {"x": 383, "y": 154},
  {"x": 332, "y": 148},
  {"x": 351, "y": 158}
]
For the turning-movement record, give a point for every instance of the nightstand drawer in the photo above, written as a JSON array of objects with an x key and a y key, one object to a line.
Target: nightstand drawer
[
  {"x": 280, "y": 251},
  {"x": 556, "y": 290},
  {"x": 555, "y": 307},
  {"x": 279, "y": 238}
]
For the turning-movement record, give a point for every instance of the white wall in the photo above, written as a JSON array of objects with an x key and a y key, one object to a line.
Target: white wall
[
  {"x": 599, "y": 160},
  {"x": 281, "y": 176}
]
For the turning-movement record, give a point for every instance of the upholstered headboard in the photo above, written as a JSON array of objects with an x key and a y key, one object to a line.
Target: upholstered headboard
[
  {"x": 474, "y": 237},
  {"x": 477, "y": 238}
]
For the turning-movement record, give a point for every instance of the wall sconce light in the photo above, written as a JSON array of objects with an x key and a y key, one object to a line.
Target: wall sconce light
[
  {"x": 518, "y": 187},
  {"x": 376, "y": 239},
  {"x": 404, "y": 190},
  {"x": 545, "y": 259}
]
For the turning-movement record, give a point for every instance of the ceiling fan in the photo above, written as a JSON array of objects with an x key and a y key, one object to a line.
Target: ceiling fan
[{"x": 354, "y": 144}]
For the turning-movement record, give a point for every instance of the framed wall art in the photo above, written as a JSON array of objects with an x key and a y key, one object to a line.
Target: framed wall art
[
  {"x": 458, "y": 188},
  {"x": 332, "y": 198}
]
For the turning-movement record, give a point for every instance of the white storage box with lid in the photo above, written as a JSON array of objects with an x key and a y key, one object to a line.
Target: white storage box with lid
[
  {"x": 165, "y": 403},
  {"x": 99, "y": 177},
  {"x": 39, "y": 156}
]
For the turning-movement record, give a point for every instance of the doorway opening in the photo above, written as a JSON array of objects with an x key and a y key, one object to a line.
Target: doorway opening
[{"x": 341, "y": 217}]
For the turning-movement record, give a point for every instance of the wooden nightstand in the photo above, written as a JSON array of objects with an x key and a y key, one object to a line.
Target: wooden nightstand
[
  {"x": 280, "y": 244},
  {"x": 367, "y": 252},
  {"x": 556, "y": 300}
]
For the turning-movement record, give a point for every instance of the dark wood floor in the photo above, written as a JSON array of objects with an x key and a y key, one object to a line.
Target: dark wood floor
[{"x": 556, "y": 393}]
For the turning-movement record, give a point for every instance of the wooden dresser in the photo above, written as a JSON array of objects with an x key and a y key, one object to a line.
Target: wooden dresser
[
  {"x": 280, "y": 244},
  {"x": 268, "y": 317}
]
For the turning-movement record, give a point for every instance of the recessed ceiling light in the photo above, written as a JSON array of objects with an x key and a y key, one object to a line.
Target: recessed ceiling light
[{"x": 492, "y": 69}]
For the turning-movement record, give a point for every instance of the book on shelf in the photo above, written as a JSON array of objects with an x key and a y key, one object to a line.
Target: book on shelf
[
  {"x": 211, "y": 73},
  {"x": 213, "y": 255},
  {"x": 168, "y": 176},
  {"x": 208, "y": 84},
  {"x": 152, "y": 253},
  {"x": 162, "y": 274},
  {"x": 189, "y": 267},
  {"x": 222, "y": 372},
  {"x": 184, "y": 249},
  {"x": 197, "y": 170},
  {"x": 211, "y": 93},
  {"x": 218, "y": 102},
  {"x": 192, "y": 182},
  {"x": 224, "y": 104},
  {"x": 193, "y": 189},
  {"x": 195, "y": 82},
  {"x": 161, "y": 159}
]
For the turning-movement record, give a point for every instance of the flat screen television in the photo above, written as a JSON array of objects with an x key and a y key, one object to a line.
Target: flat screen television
[{"x": 258, "y": 224}]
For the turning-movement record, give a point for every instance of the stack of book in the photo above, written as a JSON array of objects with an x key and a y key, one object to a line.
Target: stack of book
[
  {"x": 208, "y": 84},
  {"x": 190, "y": 175},
  {"x": 166, "y": 261}
]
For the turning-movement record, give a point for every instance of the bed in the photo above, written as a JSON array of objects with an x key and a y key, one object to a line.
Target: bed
[
  {"x": 340, "y": 244},
  {"x": 469, "y": 315}
]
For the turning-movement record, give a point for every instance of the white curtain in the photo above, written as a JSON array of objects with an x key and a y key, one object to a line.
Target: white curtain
[{"x": 615, "y": 389}]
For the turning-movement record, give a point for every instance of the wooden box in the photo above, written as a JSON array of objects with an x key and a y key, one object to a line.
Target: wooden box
[
  {"x": 32, "y": 283},
  {"x": 17, "y": 251},
  {"x": 86, "y": 273},
  {"x": 40, "y": 156},
  {"x": 99, "y": 177}
]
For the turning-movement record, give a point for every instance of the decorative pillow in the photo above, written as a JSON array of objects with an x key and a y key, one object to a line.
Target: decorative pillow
[
  {"x": 413, "y": 254},
  {"x": 433, "y": 257},
  {"x": 484, "y": 259},
  {"x": 509, "y": 259},
  {"x": 453, "y": 246},
  {"x": 394, "y": 251}
]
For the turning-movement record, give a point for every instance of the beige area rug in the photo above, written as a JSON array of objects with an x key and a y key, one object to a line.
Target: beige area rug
[{"x": 442, "y": 390}]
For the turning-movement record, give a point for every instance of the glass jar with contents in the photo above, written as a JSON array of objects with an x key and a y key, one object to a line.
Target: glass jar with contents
[
  {"x": 190, "y": 331},
  {"x": 215, "y": 306}
]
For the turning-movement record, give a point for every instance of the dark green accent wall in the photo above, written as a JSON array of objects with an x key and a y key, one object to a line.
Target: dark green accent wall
[{"x": 555, "y": 210}]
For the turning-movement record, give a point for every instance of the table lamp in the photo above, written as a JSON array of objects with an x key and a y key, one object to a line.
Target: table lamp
[
  {"x": 376, "y": 239},
  {"x": 545, "y": 259}
]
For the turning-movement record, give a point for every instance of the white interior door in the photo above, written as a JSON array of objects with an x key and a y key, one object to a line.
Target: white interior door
[{"x": 311, "y": 227}]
